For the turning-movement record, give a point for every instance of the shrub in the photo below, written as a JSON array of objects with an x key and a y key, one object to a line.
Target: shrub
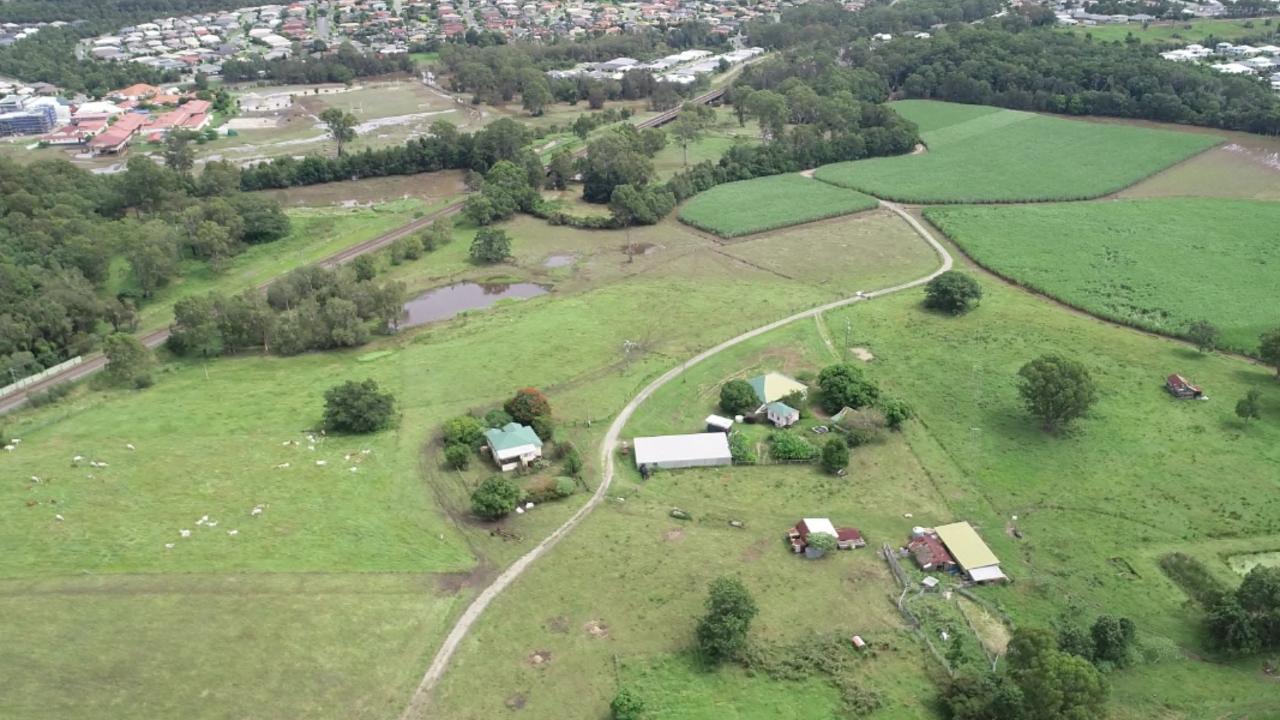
[
  {"x": 50, "y": 396},
  {"x": 740, "y": 450},
  {"x": 738, "y": 397},
  {"x": 496, "y": 418},
  {"x": 896, "y": 412},
  {"x": 821, "y": 541},
  {"x": 495, "y": 497},
  {"x": 357, "y": 407},
  {"x": 845, "y": 385},
  {"x": 463, "y": 430},
  {"x": 457, "y": 457},
  {"x": 722, "y": 631},
  {"x": 572, "y": 462},
  {"x": 789, "y": 446},
  {"x": 1193, "y": 577},
  {"x": 627, "y": 705},
  {"x": 543, "y": 427},
  {"x": 952, "y": 292},
  {"x": 835, "y": 455},
  {"x": 565, "y": 486},
  {"x": 527, "y": 404}
]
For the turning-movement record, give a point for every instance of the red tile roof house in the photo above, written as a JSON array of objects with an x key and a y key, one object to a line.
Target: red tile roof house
[
  {"x": 846, "y": 538},
  {"x": 117, "y": 137},
  {"x": 929, "y": 552}
]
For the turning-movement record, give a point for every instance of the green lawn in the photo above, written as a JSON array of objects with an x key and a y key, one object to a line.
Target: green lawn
[
  {"x": 981, "y": 154},
  {"x": 1181, "y": 33},
  {"x": 1156, "y": 264},
  {"x": 768, "y": 203}
]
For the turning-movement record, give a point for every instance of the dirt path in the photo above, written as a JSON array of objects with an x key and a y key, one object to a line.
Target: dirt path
[{"x": 440, "y": 663}]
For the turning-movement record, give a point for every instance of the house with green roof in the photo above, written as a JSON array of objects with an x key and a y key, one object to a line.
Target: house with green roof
[
  {"x": 774, "y": 386},
  {"x": 781, "y": 414},
  {"x": 513, "y": 445}
]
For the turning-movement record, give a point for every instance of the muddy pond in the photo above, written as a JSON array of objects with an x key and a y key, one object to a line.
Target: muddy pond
[{"x": 445, "y": 302}]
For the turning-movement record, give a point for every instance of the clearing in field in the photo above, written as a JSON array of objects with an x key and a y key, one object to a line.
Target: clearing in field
[
  {"x": 1160, "y": 265},
  {"x": 1259, "y": 30},
  {"x": 768, "y": 203},
  {"x": 981, "y": 154}
]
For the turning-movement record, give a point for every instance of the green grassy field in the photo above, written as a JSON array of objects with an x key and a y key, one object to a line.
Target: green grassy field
[
  {"x": 209, "y": 437},
  {"x": 1156, "y": 264},
  {"x": 1096, "y": 506},
  {"x": 768, "y": 203},
  {"x": 983, "y": 154},
  {"x": 1180, "y": 33}
]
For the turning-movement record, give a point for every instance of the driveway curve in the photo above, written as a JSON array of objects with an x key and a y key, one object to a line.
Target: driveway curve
[{"x": 440, "y": 663}]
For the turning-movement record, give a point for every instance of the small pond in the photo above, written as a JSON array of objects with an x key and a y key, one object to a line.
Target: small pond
[{"x": 445, "y": 302}]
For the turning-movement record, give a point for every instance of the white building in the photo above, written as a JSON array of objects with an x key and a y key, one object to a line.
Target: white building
[{"x": 683, "y": 451}]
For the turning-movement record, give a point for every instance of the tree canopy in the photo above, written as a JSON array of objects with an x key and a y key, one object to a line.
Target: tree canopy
[
  {"x": 1056, "y": 390},
  {"x": 357, "y": 407}
]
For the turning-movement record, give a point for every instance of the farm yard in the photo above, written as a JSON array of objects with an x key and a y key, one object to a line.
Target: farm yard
[
  {"x": 985, "y": 154},
  {"x": 768, "y": 203},
  {"x": 1153, "y": 264}
]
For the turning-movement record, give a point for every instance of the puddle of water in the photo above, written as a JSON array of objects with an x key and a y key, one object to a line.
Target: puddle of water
[
  {"x": 555, "y": 261},
  {"x": 445, "y": 302}
]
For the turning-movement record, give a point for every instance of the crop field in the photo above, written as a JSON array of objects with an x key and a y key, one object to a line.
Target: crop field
[
  {"x": 1245, "y": 167},
  {"x": 1181, "y": 33},
  {"x": 210, "y": 439},
  {"x": 1159, "y": 265},
  {"x": 982, "y": 154},
  {"x": 768, "y": 203}
]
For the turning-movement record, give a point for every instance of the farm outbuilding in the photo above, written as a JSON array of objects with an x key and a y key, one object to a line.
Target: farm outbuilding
[
  {"x": 971, "y": 553},
  {"x": 717, "y": 423},
  {"x": 671, "y": 452},
  {"x": 1180, "y": 387},
  {"x": 846, "y": 538},
  {"x": 928, "y": 550},
  {"x": 775, "y": 386}
]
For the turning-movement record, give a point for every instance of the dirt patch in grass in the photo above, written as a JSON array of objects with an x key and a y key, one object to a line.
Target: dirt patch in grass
[
  {"x": 596, "y": 629},
  {"x": 517, "y": 701},
  {"x": 862, "y": 354},
  {"x": 674, "y": 536},
  {"x": 755, "y": 551},
  {"x": 539, "y": 658},
  {"x": 453, "y": 583},
  {"x": 558, "y": 624}
]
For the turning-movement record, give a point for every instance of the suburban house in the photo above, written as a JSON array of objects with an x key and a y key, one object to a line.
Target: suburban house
[
  {"x": 772, "y": 387},
  {"x": 513, "y": 445},
  {"x": 781, "y": 414},
  {"x": 971, "y": 553},
  {"x": 929, "y": 552},
  {"x": 670, "y": 452},
  {"x": 846, "y": 538},
  {"x": 1180, "y": 387}
]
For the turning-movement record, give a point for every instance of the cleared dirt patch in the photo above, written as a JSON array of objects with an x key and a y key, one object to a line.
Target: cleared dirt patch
[
  {"x": 558, "y": 624},
  {"x": 539, "y": 658},
  {"x": 862, "y": 354},
  {"x": 596, "y": 629},
  {"x": 674, "y": 536}
]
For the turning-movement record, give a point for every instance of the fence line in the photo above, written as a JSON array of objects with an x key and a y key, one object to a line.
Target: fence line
[{"x": 30, "y": 380}]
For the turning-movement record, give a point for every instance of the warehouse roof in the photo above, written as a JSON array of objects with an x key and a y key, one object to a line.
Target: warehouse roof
[
  {"x": 965, "y": 546},
  {"x": 682, "y": 448}
]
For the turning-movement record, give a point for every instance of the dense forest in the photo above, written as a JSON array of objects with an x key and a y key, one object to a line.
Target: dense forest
[
  {"x": 1062, "y": 73},
  {"x": 1018, "y": 63},
  {"x": 61, "y": 228}
]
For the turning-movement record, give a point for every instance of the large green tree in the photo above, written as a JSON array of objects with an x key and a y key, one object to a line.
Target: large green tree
[
  {"x": 846, "y": 385},
  {"x": 128, "y": 360},
  {"x": 357, "y": 407},
  {"x": 495, "y": 497},
  {"x": 341, "y": 125},
  {"x": 1056, "y": 390},
  {"x": 953, "y": 292},
  {"x": 738, "y": 397},
  {"x": 490, "y": 246},
  {"x": 722, "y": 631}
]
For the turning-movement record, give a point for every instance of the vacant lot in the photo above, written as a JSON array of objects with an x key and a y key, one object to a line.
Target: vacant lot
[
  {"x": 981, "y": 154},
  {"x": 1156, "y": 264},
  {"x": 767, "y": 203}
]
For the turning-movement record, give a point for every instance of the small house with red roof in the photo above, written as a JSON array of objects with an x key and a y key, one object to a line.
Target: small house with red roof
[
  {"x": 1182, "y": 388},
  {"x": 929, "y": 552},
  {"x": 846, "y": 538}
]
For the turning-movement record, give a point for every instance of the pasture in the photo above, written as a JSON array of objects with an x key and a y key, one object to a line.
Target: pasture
[
  {"x": 1160, "y": 265},
  {"x": 1181, "y": 33},
  {"x": 982, "y": 154},
  {"x": 210, "y": 440},
  {"x": 768, "y": 203},
  {"x": 1096, "y": 507}
]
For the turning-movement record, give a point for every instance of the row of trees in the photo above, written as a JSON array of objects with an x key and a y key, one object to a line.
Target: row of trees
[
  {"x": 340, "y": 66},
  {"x": 62, "y": 227},
  {"x": 308, "y": 309}
]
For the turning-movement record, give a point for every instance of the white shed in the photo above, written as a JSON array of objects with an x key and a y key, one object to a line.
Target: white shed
[{"x": 683, "y": 451}]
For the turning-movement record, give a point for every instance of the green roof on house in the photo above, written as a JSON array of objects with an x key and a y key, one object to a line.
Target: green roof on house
[
  {"x": 779, "y": 408},
  {"x": 512, "y": 435},
  {"x": 774, "y": 386}
]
